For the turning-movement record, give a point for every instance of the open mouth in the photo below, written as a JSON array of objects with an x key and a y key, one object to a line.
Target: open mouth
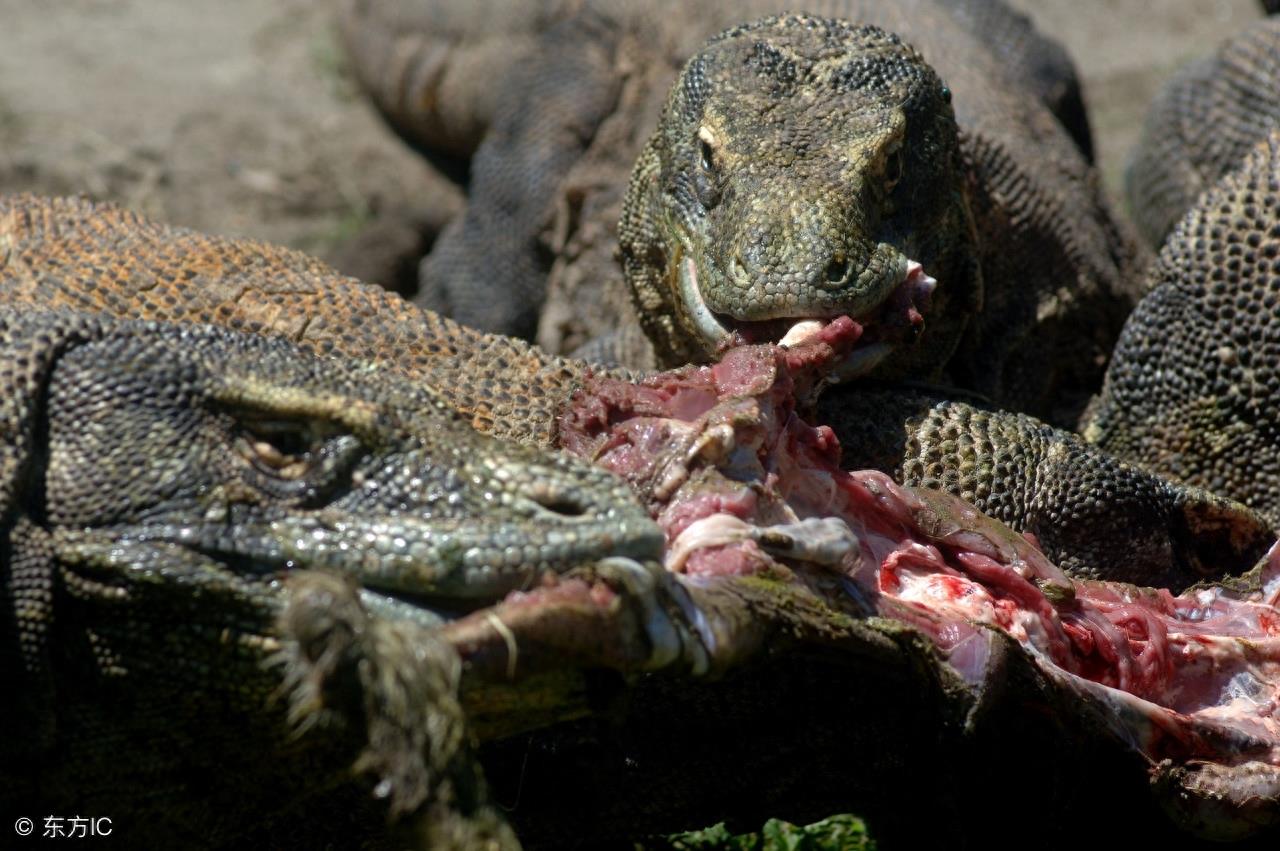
[
  {"x": 898, "y": 320},
  {"x": 742, "y": 487}
]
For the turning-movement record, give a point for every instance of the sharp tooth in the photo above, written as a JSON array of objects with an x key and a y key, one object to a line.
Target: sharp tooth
[
  {"x": 801, "y": 332},
  {"x": 922, "y": 283},
  {"x": 703, "y": 319}
]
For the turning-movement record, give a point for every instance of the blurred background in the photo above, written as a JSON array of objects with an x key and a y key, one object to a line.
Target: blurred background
[{"x": 240, "y": 118}]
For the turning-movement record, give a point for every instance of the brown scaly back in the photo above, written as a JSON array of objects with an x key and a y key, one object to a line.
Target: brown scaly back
[{"x": 99, "y": 258}]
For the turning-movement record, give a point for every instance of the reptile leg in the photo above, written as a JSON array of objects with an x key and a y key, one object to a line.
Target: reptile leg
[{"x": 1091, "y": 513}]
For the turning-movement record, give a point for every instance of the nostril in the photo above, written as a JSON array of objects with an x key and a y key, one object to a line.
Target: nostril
[
  {"x": 558, "y": 503},
  {"x": 838, "y": 270},
  {"x": 737, "y": 268}
]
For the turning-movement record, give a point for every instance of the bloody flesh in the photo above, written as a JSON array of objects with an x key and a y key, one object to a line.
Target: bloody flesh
[{"x": 742, "y": 485}]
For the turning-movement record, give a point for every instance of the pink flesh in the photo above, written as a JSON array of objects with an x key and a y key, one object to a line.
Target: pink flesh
[{"x": 1190, "y": 677}]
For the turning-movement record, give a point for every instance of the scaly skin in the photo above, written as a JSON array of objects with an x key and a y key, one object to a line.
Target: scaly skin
[
  {"x": 592, "y": 86},
  {"x": 1202, "y": 125},
  {"x": 98, "y": 258},
  {"x": 371, "y": 674},
  {"x": 1032, "y": 60},
  {"x": 775, "y": 173},
  {"x": 1092, "y": 514},
  {"x": 166, "y": 490},
  {"x": 956, "y": 168},
  {"x": 431, "y": 67},
  {"x": 1191, "y": 389}
]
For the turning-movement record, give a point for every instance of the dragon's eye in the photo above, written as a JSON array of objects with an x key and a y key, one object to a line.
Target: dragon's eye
[
  {"x": 706, "y": 184},
  {"x": 706, "y": 156},
  {"x": 310, "y": 454},
  {"x": 707, "y": 151},
  {"x": 279, "y": 448},
  {"x": 893, "y": 168}
]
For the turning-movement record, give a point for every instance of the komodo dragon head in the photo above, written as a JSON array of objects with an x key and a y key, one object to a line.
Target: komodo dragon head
[
  {"x": 803, "y": 168},
  {"x": 160, "y": 485}
]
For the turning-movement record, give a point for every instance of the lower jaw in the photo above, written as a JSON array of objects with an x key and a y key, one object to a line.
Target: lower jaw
[{"x": 719, "y": 332}]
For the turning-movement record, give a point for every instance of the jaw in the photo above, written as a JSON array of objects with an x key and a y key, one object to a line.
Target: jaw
[
  {"x": 406, "y": 571},
  {"x": 452, "y": 563},
  {"x": 891, "y": 312}
]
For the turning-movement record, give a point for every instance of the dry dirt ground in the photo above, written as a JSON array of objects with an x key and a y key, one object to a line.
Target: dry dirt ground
[
  {"x": 237, "y": 116},
  {"x": 233, "y": 117}
]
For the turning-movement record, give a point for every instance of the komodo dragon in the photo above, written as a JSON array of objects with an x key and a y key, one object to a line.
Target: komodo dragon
[
  {"x": 668, "y": 224},
  {"x": 106, "y": 261},
  {"x": 181, "y": 655},
  {"x": 1202, "y": 124},
  {"x": 995, "y": 201},
  {"x": 99, "y": 258},
  {"x": 164, "y": 489}
]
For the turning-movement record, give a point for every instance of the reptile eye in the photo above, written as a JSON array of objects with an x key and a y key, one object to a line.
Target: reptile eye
[
  {"x": 296, "y": 458},
  {"x": 276, "y": 447},
  {"x": 706, "y": 184},
  {"x": 266, "y": 457},
  {"x": 894, "y": 167}
]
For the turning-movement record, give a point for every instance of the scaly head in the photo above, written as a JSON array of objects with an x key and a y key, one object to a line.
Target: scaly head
[
  {"x": 250, "y": 450},
  {"x": 176, "y": 474},
  {"x": 804, "y": 168},
  {"x": 173, "y": 496}
]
